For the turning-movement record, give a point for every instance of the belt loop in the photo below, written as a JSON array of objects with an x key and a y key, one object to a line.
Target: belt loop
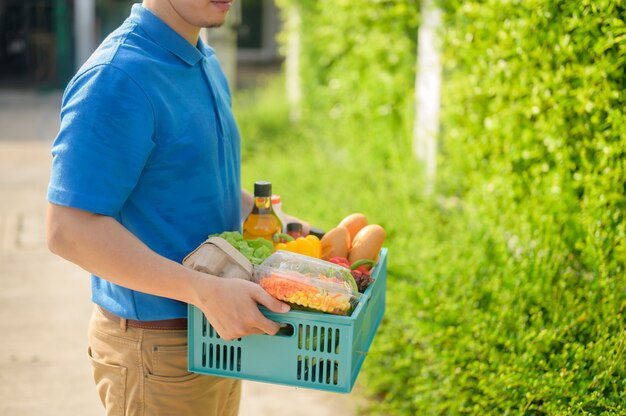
[{"x": 123, "y": 324}]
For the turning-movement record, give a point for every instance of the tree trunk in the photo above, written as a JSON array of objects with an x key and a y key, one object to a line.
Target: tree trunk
[
  {"x": 292, "y": 64},
  {"x": 427, "y": 93}
]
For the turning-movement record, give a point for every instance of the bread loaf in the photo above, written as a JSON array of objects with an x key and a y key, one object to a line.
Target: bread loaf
[
  {"x": 354, "y": 223},
  {"x": 367, "y": 243},
  {"x": 335, "y": 243}
]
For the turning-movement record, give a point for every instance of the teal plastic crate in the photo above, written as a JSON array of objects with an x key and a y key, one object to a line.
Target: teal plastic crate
[{"x": 313, "y": 350}]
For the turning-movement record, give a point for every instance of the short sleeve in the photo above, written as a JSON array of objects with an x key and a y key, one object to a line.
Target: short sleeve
[{"x": 104, "y": 141}]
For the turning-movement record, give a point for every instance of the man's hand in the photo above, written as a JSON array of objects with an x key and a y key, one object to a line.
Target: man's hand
[{"x": 231, "y": 305}]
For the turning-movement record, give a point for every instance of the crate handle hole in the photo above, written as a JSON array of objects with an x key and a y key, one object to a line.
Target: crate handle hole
[{"x": 285, "y": 330}]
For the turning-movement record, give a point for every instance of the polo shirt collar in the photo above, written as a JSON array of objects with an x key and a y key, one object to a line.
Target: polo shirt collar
[{"x": 166, "y": 37}]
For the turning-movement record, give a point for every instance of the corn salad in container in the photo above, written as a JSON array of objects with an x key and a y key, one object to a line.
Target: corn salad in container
[{"x": 307, "y": 283}]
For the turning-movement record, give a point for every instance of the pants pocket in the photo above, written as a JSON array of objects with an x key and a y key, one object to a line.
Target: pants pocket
[
  {"x": 190, "y": 395},
  {"x": 173, "y": 395},
  {"x": 170, "y": 389},
  {"x": 110, "y": 383},
  {"x": 170, "y": 361}
]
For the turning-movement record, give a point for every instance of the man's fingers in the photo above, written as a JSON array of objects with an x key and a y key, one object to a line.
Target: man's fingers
[
  {"x": 274, "y": 305},
  {"x": 241, "y": 316},
  {"x": 261, "y": 325},
  {"x": 268, "y": 326}
]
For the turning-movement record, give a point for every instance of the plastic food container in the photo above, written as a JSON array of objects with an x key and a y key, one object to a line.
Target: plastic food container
[
  {"x": 312, "y": 350},
  {"x": 308, "y": 283}
]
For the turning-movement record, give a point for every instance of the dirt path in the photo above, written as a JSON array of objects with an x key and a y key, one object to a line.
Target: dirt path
[{"x": 44, "y": 300}]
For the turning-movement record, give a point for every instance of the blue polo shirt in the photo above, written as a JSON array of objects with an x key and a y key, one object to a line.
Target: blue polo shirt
[{"x": 148, "y": 137}]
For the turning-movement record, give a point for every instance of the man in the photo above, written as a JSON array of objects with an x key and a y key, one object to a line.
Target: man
[{"x": 147, "y": 164}]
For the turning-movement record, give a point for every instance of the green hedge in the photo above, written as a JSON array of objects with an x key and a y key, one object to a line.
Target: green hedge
[
  {"x": 533, "y": 145},
  {"x": 507, "y": 289}
]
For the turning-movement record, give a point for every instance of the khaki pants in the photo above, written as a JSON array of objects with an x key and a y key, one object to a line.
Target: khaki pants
[{"x": 144, "y": 372}]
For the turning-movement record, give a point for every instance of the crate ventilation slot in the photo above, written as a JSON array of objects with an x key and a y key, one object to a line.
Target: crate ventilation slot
[
  {"x": 317, "y": 370},
  {"x": 318, "y": 338},
  {"x": 221, "y": 357}
]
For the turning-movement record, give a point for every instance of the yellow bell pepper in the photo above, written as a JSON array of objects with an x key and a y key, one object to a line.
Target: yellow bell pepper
[
  {"x": 308, "y": 246},
  {"x": 280, "y": 246},
  {"x": 304, "y": 246},
  {"x": 317, "y": 245}
]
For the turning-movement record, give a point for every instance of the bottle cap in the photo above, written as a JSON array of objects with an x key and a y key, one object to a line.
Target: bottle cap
[
  {"x": 294, "y": 227},
  {"x": 263, "y": 189},
  {"x": 275, "y": 199}
]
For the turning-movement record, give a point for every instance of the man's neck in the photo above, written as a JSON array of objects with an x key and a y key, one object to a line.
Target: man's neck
[{"x": 165, "y": 11}]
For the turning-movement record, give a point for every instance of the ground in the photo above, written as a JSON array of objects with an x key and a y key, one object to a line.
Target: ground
[{"x": 44, "y": 300}]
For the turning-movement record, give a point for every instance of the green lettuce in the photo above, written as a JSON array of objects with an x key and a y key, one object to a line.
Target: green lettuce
[{"x": 256, "y": 251}]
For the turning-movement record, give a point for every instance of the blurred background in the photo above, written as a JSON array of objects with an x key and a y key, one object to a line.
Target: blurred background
[
  {"x": 43, "y": 42},
  {"x": 44, "y": 305},
  {"x": 486, "y": 137}
]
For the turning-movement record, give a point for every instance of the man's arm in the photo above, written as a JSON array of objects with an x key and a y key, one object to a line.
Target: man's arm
[
  {"x": 102, "y": 246},
  {"x": 247, "y": 203}
]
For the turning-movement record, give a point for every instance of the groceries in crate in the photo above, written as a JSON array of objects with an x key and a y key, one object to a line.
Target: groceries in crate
[
  {"x": 320, "y": 351},
  {"x": 367, "y": 243},
  {"x": 354, "y": 239},
  {"x": 335, "y": 243},
  {"x": 262, "y": 221},
  {"x": 218, "y": 257},
  {"x": 307, "y": 282},
  {"x": 255, "y": 250},
  {"x": 295, "y": 230},
  {"x": 292, "y": 289},
  {"x": 309, "y": 245},
  {"x": 277, "y": 207},
  {"x": 354, "y": 223},
  {"x": 359, "y": 270}
]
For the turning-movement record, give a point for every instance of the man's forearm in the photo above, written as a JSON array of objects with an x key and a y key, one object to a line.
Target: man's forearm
[
  {"x": 102, "y": 246},
  {"x": 247, "y": 202}
]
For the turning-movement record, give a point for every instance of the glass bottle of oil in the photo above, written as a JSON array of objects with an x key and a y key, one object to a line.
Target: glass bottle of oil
[{"x": 262, "y": 220}]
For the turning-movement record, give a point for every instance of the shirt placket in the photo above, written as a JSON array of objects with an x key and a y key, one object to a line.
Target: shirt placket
[{"x": 213, "y": 94}]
